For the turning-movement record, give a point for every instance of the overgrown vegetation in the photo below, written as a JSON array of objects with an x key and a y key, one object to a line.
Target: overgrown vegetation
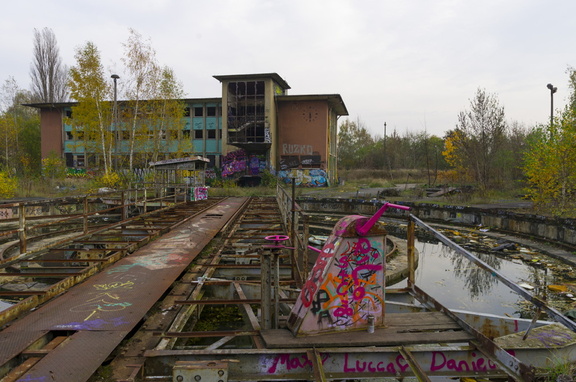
[
  {"x": 559, "y": 371},
  {"x": 216, "y": 317},
  {"x": 483, "y": 153},
  {"x": 550, "y": 161}
]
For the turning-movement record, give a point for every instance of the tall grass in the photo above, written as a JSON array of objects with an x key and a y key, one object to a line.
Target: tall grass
[{"x": 385, "y": 177}]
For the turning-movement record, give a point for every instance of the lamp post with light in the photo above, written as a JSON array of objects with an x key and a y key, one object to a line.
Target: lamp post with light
[
  {"x": 115, "y": 77},
  {"x": 553, "y": 90}
]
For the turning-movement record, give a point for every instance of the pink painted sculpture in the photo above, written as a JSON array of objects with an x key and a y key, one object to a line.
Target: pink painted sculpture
[{"x": 345, "y": 289}]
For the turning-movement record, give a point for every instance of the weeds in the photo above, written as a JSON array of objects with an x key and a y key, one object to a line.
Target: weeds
[{"x": 560, "y": 371}]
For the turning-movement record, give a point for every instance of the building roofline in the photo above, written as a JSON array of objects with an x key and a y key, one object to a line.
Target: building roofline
[
  {"x": 50, "y": 105},
  {"x": 334, "y": 100},
  {"x": 274, "y": 76},
  {"x": 58, "y": 105}
]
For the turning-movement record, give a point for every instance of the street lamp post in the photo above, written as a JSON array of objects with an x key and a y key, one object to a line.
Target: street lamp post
[
  {"x": 384, "y": 144},
  {"x": 115, "y": 77},
  {"x": 553, "y": 90}
]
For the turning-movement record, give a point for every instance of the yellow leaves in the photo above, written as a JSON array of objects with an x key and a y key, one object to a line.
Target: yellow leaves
[
  {"x": 558, "y": 288},
  {"x": 8, "y": 185},
  {"x": 53, "y": 167},
  {"x": 550, "y": 167},
  {"x": 451, "y": 149},
  {"x": 111, "y": 180}
]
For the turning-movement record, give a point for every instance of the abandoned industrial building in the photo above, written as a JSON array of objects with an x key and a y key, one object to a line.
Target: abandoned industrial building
[{"x": 254, "y": 126}]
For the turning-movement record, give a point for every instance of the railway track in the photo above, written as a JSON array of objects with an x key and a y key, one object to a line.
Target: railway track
[
  {"x": 206, "y": 298},
  {"x": 33, "y": 279},
  {"x": 36, "y": 328},
  {"x": 223, "y": 282}
]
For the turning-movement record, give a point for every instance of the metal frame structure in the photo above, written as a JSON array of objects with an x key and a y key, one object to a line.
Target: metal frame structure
[
  {"x": 248, "y": 267},
  {"x": 461, "y": 348}
]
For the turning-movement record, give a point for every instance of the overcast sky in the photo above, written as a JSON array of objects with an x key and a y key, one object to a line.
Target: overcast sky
[{"x": 414, "y": 64}]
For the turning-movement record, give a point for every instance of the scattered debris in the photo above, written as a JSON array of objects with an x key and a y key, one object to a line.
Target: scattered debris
[
  {"x": 505, "y": 246},
  {"x": 526, "y": 286}
]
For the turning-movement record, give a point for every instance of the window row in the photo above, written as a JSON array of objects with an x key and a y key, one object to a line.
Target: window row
[
  {"x": 199, "y": 111},
  {"x": 125, "y": 135},
  {"x": 211, "y": 111}
]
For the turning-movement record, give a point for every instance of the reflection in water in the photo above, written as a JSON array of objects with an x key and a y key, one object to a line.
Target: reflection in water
[
  {"x": 458, "y": 283},
  {"x": 477, "y": 280}
]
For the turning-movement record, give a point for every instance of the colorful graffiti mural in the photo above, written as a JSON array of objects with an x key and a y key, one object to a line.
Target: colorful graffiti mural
[
  {"x": 313, "y": 177},
  {"x": 234, "y": 162},
  {"x": 198, "y": 193},
  {"x": 345, "y": 289},
  {"x": 237, "y": 162}
]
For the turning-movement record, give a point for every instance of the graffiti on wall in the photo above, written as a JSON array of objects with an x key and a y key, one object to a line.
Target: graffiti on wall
[
  {"x": 267, "y": 136},
  {"x": 238, "y": 162},
  {"x": 314, "y": 177},
  {"x": 294, "y": 161},
  {"x": 234, "y": 162},
  {"x": 198, "y": 193},
  {"x": 290, "y": 149},
  {"x": 346, "y": 285}
]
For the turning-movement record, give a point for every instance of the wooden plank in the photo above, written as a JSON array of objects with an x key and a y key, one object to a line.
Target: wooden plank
[
  {"x": 420, "y": 321},
  {"x": 16, "y": 373},
  {"x": 400, "y": 329},
  {"x": 282, "y": 338},
  {"x": 35, "y": 357}
]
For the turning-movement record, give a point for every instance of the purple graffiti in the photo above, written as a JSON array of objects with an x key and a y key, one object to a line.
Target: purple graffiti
[
  {"x": 292, "y": 362},
  {"x": 93, "y": 324},
  {"x": 399, "y": 365},
  {"x": 440, "y": 361}
]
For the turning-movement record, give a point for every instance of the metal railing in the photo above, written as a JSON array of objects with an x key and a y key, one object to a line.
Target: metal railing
[
  {"x": 41, "y": 221},
  {"x": 296, "y": 222},
  {"x": 538, "y": 303}
]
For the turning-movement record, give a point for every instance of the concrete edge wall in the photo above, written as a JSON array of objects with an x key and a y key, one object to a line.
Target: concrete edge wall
[{"x": 540, "y": 227}]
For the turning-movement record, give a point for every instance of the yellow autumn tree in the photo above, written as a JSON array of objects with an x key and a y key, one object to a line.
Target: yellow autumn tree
[
  {"x": 550, "y": 165},
  {"x": 92, "y": 115},
  {"x": 459, "y": 173},
  {"x": 8, "y": 185}
]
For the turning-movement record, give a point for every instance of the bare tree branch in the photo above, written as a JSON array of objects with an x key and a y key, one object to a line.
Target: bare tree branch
[{"x": 47, "y": 73}]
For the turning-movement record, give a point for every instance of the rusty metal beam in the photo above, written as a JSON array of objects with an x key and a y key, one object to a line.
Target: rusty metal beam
[
  {"x": 229, "y": 302},
  {"x": 218, "y": 333},
  {"x": 505, "y": 360},
  {"x": 9, "y": 293},
  {"x": 416, "y": 368}
]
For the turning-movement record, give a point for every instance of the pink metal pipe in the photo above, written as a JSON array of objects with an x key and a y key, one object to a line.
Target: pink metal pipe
[{"x": 370, "y": 223}]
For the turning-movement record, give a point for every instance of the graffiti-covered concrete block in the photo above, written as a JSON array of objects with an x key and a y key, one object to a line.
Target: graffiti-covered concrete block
[{"x": 345, "y": 289}]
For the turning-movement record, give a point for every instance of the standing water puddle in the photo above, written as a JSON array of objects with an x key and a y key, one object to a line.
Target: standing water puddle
[{"x": 457, "y": 283}]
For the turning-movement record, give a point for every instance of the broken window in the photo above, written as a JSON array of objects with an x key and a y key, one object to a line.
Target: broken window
[{"x": 246, "y": 112}]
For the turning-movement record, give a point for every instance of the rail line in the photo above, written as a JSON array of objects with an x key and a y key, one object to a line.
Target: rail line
[
  {"x": 69, "y": 337},
  {"x": 207, "y": 297},
  {"x": 29, "y": 280}
]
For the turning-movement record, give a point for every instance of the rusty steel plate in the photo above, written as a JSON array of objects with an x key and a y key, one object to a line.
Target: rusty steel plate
[{"x": 111, "y": 303}]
